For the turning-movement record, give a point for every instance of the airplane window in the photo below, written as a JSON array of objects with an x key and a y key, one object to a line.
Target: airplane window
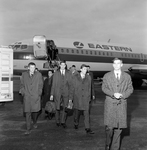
[
  {"x": 86, "y": 52},
  {"x": 95, "y": 53},
  {"x": 107, "y": 54},
  {"x": 67, "y": 50},
  {"x": 99, "y": 53},
  {"x": 91, "y": 52},
  {"x": 72, "y": 51},
  {"x": 23, "y": 46},
  {"x": 77, "y": 51},
  {"x": 16, "y": 46},
  {"x": 103, "y": 53},
  {"x": 82, "y": 51},
  {"x": 62, "y": 50}
]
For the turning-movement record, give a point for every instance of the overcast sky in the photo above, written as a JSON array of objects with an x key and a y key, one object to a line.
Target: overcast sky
[{"x": 122, "y": 21}]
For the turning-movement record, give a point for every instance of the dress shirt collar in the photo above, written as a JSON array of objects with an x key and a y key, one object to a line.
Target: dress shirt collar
[
  {"x": 62, "y": 72},
  {"x": 82, "y": 75},
  {"x": 31, "y": 73},
  {"x": 117, "y": 74}
]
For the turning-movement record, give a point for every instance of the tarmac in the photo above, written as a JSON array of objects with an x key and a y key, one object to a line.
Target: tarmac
[{"x": 50, "y": 137}]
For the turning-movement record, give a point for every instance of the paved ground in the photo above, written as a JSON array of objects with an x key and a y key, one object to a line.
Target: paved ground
[{"x": 50, "y": 137}]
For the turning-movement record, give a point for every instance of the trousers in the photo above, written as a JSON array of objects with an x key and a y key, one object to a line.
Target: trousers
[
  {"x": 77, "y": 114},
  {"x": 113, "y": 137},
  {"x": 61, "y": 116},
  {"x": 31, "y": 116}
]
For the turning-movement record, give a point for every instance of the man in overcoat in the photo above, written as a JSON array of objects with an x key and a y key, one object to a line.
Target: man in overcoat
[
  {"x": 81, "y": 96},
  {"x": 117, "y": 86},
  {"x": 46, "y": 92},
  {"x": 60, "y": 93},
  {"x": 31, "y": 90}
]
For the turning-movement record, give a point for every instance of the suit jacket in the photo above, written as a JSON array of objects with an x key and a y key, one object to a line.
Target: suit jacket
[
  {"x": 81, "y": 92},
  {"x": 115, "y": 114},
  {"x": 60, "y": 88},
  {"x": 31, "y": 89}
]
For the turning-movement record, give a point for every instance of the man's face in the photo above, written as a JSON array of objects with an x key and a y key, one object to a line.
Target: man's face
[
  {"x": 32, "y": 68},
  {"x": 62, "y": 66},
  {"x": 56, "y": 68},
  {"x": 50, "y": 74},
  {"x": 73, "y": 69},
  {"x": 84, "y": 70},
  {"x": 117, "y": 64}
]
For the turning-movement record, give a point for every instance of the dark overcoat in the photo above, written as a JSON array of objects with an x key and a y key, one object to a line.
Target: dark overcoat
[
  {"x": 92, "y": 85},
  {"x": 81, "y": 92},
  {"x": 115, "y": 114},
  {"x": 46, "y": 90},
  {"x": 31, "y": 89},
  {"x": 61, "y": 89}
]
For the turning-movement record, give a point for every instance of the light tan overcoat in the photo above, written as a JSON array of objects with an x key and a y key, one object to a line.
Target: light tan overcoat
[{"x": 115, "y": 115}]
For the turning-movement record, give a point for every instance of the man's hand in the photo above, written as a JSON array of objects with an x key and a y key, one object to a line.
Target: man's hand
[
  {"x": 117, "y": 95},
  {"x": 51, "y": 97},
  {"x": 70, "y": 104}
]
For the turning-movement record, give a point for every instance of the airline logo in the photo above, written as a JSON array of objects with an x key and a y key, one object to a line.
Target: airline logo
[{"x": 78, "y": 44}]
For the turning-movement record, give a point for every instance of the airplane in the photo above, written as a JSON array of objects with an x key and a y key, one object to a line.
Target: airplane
[{"x": 46, "y": 53}]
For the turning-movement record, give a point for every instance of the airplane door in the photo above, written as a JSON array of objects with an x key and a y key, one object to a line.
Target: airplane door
[{"x": 39, "y": 46}]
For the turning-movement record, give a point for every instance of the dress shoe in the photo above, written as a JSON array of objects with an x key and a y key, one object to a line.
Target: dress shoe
[
  {"x": 27, "y": 132},
  {"x": 76, "y": 126},
  {"x": 64, "y": 125},
  {"x": 89, "y": 131},
  {"x": 35, "y": 126},
  {"x": 107, "y": 147},
  {"x": 58, "y": 124},
  {"x": 50, "y": 116}
]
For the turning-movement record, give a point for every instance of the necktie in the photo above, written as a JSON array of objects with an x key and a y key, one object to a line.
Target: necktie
[
  {"x": 83, "y": 76},
  {"x": 117, "y": 77},
  {"x": 62, "y": 73},
  {"x": 31, "y": 75}
]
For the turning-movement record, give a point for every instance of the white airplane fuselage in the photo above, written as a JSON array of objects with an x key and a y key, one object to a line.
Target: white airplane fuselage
[{"x": 97, "y": 55}]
